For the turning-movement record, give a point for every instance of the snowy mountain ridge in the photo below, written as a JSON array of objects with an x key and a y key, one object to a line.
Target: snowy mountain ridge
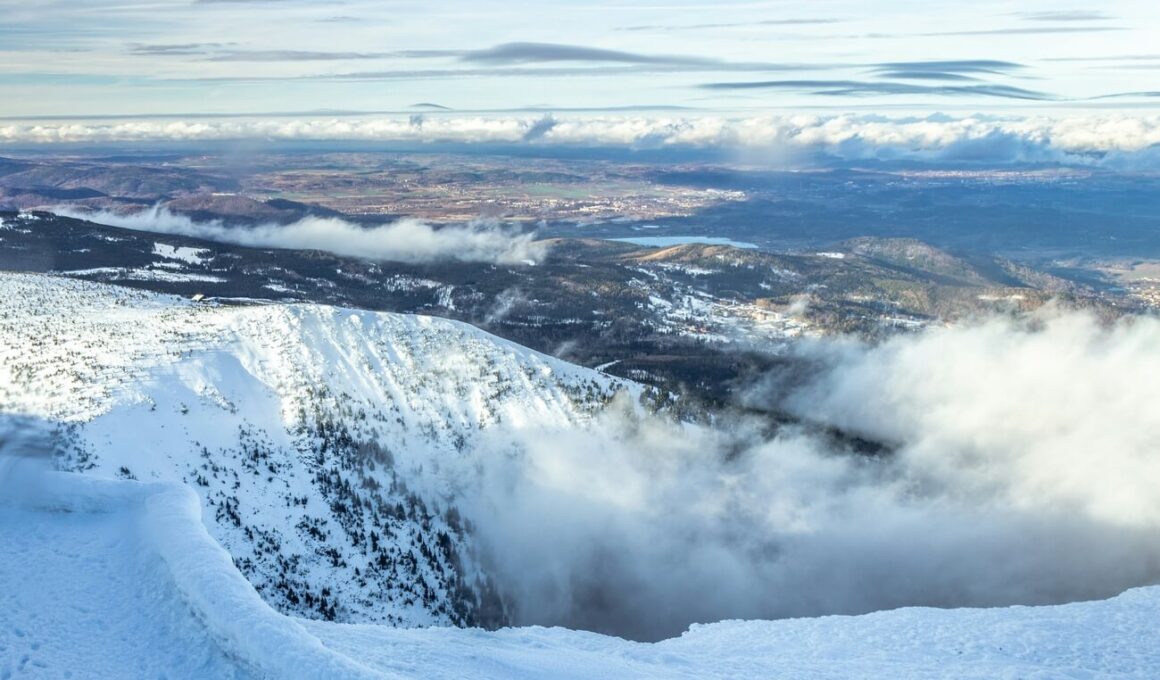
[{"x": 325, "y": 444}]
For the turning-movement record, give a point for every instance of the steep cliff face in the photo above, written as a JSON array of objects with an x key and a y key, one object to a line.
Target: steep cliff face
[{"x": 327, "y": 445}]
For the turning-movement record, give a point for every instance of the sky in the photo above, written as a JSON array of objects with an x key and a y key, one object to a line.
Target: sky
[{"x": 184, "y": 58}]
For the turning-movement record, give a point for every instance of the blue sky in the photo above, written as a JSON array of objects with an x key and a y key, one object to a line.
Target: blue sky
[{"x": 183, "y": 57}]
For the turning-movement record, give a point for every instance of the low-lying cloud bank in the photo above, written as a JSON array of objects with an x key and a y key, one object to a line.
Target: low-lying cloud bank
[
  {"x": 406, "y": 240},
  {"x": 1107, "y": 139},
  {"x": 1025, "y": 470}
]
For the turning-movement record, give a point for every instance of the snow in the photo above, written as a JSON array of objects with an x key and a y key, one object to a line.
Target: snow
[
  {"x": 684, "y": 309},
  {"x": 83, "y": 597},
  {"x": 278, "y": 288},
  {"x": 140, "y": 274},
  {"x": 1110, "y": 639},
  {"x": 236, "y": 400},
  {"x": 719, "y": 320},
  {"x": 691, "y": 270},
  {"x": 6, "y": 225},
  {"x": 195, "y": 256},
  {"x": 108, "y": 579},
  {"x": 210, "y": 407},
  {"x": 226, "y": 604}
]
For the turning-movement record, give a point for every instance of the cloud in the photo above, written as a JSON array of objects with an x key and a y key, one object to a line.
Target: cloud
[
  {"x": 1023, "y": 469},
  {"x": 532, "y": 71},
  {"x": 990, "y": 66},
  {"x": 861, "y": 88},
  {"x": 517, "y": 53},
  {"x": 1119, "y": 57},
  {"x": 534, "y": 53},
  {"x": 293, "y": 55},
  {"x": 216, "y": 51},
  {"x": 402, "y": 241},
  {"x": 1036, "y": 30},
  {"x": 518, "y": 59},
  {"x": 765, "y": 22},
  {"x": 177, "y": 49},
  {"x": 925, "y": 75},
  {"x": 249, "y": 2},
  {"x": 954, "y": 71},
  {"x": 1111, "y": 140},
  {"x": 540, "y": 128},
  {"x": 1065, "y": 15},
  {"x": 1142, "y": 93},
  {"x": 506, "y": 302},
  {"x": 26, "y": 455}
]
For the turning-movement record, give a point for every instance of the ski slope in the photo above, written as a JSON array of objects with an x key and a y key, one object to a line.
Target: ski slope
[{"x": 115, "y": 579}]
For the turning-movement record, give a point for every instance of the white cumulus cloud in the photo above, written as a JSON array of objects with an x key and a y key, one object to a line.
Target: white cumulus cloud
[{"x": 1122, "y": 139}]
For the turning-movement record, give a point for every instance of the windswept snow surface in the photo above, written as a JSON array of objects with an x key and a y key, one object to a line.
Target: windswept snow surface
[
  {"x": 108, "y": 579},
  {"x": 1114, "y": 638},
  {"x": 120, "y": 579},
  {"x": 84, "y": 593}
]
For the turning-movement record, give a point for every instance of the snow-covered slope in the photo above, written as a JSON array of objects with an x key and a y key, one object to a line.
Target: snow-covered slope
[
  {"x": 325, "y": 444},
  {"x": 110, "y": 579},
  {"x": 81, "y": 596}
]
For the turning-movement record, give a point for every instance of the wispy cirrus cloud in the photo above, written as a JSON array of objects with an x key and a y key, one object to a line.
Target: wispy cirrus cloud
[
  {"x": 538, "y": 53},
  {"x": 946, "y": 71},
  {"x": 739, "y": 24},
  {"x": 294, "y": 55},
  {"x": 865, "y": 88},
  {"x": 926, "y": 75},
  {"x": 178, "y": 49},
  {"x": 1065, "y": 15},
  {"x": 230, "y": 51},
  {"x": 1114, "y": 57},
  {"x": 207, "y": 56},
  {"x": 509, "y": 72},
  {"x": 992, "y": 66},
  {"x": 506, "y": 58},
  {"x": 257, "y": 2},
  {"x": 1123, "y": 95},
  {"x": 1027, "y": 30}
]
